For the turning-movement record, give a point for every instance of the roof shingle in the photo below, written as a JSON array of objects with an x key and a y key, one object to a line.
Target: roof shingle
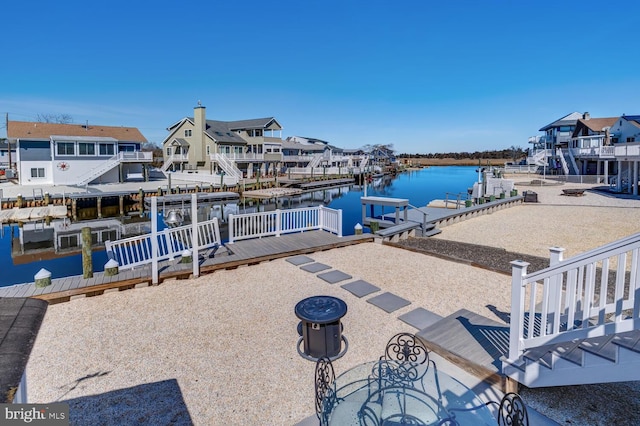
[{"x": 36, "y": 130}]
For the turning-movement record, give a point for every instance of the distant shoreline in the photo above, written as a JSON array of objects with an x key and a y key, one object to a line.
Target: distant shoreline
[{"x": 417, "y": 161}]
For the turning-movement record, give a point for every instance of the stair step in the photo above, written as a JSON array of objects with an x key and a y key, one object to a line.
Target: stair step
[
  {"x": 600, "y": 346},
  {"x": 541, "y": 355},
  {"x": 629, "y": 340},
  {"x": 569, "y": 351},
  {"x": 432, "y": 232}
]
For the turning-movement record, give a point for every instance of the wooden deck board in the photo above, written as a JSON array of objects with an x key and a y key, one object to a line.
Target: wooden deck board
[
  {"x": 473, "y": 342},
  {"x": 244, "y": 252}
]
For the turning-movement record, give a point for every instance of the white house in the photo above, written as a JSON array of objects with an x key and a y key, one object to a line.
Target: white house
[{"x": 75, "y": 154}]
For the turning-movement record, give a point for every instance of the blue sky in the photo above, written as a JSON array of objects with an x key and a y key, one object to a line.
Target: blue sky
[{"x": 426, "y": 76}]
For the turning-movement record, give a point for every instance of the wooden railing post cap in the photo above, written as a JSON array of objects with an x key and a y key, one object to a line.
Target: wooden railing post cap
[
  {"x": 556, "y": 249},
  {"x": 519, "y": 264}
]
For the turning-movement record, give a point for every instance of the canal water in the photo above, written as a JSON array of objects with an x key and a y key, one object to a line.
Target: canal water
[{"x": 56, "y": 247}]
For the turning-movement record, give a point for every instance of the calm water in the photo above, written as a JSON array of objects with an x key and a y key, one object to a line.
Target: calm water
[{"x": 34, "y": 249}]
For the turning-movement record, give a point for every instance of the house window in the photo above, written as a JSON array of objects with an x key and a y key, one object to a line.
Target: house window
[
  {"x": 106, "y": 149},
  {"x": 169, "y": 152},
  {"x": 37, "y": 172},
  {"x": 65, "y": 148},
  {"x": 208, "y": 150},
  {"x": 187, "y": 133},
  {"x": 258, "y": 132},
  {"x": 631, "y": 139},
  {"x": 86, "y": 149}
]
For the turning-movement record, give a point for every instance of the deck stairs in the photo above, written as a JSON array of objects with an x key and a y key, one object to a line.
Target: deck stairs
[
  {"x": 228, "y": 166},
  {"x": 539, "y": 158},
  {"x": 585, "y": 327},
  {"x": 99, "y": 170},
  {"x": 568, "y": 162},
  {"x": 315, "y": 161}
]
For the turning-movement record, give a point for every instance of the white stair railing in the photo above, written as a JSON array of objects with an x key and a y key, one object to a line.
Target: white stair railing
[
  {"x": 570, "y": 299},
  {"x": 227, "y": 165},
  {"x": 315, "y": 161},
  {"x": 136, "y": 251}
]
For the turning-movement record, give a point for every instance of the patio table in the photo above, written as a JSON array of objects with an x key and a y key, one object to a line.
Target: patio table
[{"x": 374, "y": 393}]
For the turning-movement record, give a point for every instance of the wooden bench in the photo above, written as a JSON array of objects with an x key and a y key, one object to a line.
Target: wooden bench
[{"x": 398, "y": 232}]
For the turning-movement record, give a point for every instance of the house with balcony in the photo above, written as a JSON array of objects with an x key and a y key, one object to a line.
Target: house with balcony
[
  {"x": 229, "y": 150},
  {"x": 304, "y": 154},
  {"x": 76, "y": 154},
  {"x": 590, "y": 147},
  {"x": 625, "y": 138}
]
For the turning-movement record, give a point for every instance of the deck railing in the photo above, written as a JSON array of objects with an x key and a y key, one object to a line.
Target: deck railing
[
  {"x": 278, "y": 222},
  {"x": 593, "y": 294},
  {"x": 136, "y": 251}
]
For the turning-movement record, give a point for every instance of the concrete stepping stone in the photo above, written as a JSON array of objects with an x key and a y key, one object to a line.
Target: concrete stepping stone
[
  {"x": 420, "y": 318},
  {"x": 360, "y": 288},
  {"x": 299, "y": 260},
  {"x": 333, "y": 277},
  {"x": 388, "y": 302},
  {"x": 315, "y": 267}
]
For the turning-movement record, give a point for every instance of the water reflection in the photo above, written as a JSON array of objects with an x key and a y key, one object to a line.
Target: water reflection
[{"x": 57, "y": 245}]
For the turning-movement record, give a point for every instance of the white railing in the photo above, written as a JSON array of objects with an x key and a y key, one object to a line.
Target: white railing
[
  {"x": 135, "y": 156},
  {"x": 570, "y": 299},
  {"x": 315, "y": 161},
  {"x": 278, "y": 222},
  {"x": 627, "y": 149},
  {"x": 600, "y": 151},
  {"x": 205, "y": 178},
  {"x": 174, "y": 158},
  {"x": 136, "y": 251},
  {"x": 121, "y": 157},
  {"x": 227, "y": 165}
]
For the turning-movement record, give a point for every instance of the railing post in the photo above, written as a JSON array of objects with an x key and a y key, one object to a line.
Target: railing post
[
  {"x": 340, "y": 223},
  {"x": 321, "y": 217},
  {"x": 231, "y": 228},
  {"x": 516, "y": 326},
  {"x": 194, "y": 234},
  {"x": 278, "y": 222},
  {"x": 555, "y": 289},
  {"x": 154, "y": 240}
]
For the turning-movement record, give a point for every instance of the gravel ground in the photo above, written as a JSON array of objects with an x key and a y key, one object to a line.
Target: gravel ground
[
  {"x": 527, "y": 232},
  {"x": 220, "y": 349}
]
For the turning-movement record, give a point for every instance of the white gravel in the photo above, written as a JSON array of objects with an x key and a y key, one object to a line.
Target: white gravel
[{"x": 220, "y": 349}]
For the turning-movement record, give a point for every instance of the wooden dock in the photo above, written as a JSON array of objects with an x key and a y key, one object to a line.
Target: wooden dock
[{"x": 247, "y": 252}]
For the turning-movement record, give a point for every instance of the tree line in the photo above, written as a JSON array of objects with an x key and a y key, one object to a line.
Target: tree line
[{"x": 514, "y": 153}]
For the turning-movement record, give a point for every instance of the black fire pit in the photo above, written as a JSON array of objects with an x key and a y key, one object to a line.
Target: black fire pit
[{"x": 320, "y": 328}]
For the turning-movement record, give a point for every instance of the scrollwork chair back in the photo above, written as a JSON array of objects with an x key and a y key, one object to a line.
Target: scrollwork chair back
[
  {"x": 324, "y": 378},
  {"x": 513, "y": 411},
  {"x": 405, "y": 360}
]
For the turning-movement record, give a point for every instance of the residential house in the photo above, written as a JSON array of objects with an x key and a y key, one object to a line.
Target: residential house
[
  {"x": 235, "y": 148},
  {"x": 557, "y": 134},
  {"x": 625, "y": 137},
  {"x": 590, "y": 146},
  {"x": 77, "y": 154},
  {"x": 7, "y": 157},
  {"x": 308, "y": 153}
]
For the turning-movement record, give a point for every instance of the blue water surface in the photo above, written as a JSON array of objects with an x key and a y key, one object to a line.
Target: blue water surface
[{"x": 418, "y": 186}]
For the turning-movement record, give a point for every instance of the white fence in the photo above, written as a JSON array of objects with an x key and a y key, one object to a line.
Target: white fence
[
  {"x": 570, "y": 299},
  {"x": 135, "y": 251},
  {"x": 262, "y": 224}
]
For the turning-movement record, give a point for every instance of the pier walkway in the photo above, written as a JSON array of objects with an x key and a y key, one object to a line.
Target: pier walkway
[{"x": 230, "y": 256}]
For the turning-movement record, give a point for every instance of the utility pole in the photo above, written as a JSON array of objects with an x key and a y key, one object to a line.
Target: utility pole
[{"x": 6, "y": 122}]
